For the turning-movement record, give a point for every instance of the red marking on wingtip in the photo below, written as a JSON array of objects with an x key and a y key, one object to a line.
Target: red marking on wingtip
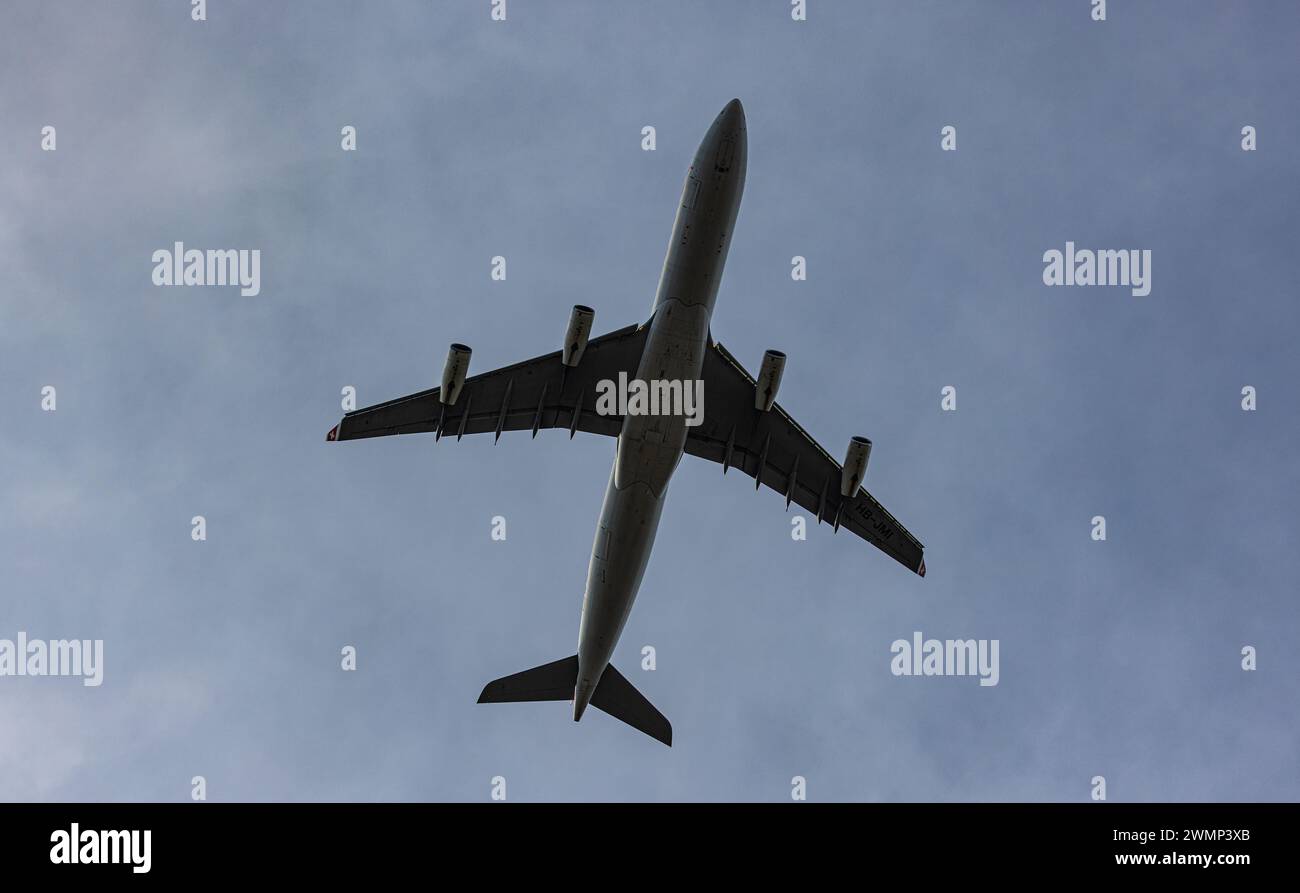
[
  {"x": 921, "y": 570},
  {"x": 333, "y": 435}
]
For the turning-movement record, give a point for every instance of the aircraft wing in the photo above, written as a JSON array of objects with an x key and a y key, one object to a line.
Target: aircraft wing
[
  {"x": 537, "y": 393},
  {"x": 773, "y": 449}
]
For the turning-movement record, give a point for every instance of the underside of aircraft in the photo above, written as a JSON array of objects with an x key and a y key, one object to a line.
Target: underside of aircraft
[{"x": 739, "y": 425}]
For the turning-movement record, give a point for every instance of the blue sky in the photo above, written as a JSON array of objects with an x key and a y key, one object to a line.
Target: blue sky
[{"x": 1118, "y": 658}]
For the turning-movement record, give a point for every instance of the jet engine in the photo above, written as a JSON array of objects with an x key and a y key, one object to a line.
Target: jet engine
[
  {"x": 769, "y": 380},
  {"x": 453, "y": 374},
  {"x": 855, "y": 466},
  {"x": 575, "y": 336}
]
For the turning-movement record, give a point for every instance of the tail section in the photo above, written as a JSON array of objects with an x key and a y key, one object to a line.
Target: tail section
[{"x": 556, "y": 682}]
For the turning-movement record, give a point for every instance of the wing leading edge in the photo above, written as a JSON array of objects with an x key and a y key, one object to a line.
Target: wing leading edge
[
  {"x": 772, "y": 448},
  {"x": 528, "y": 396}
]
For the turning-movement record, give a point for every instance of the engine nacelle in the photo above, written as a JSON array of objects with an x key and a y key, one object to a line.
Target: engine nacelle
[
  {"x": 453, "y": 374},
  {"x": 769, "y": 380},
  {"x": 575, "y": 336},
  {"x": 855, "y": 466}
]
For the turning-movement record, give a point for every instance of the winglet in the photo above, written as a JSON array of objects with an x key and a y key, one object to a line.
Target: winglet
[
  {"x": 333, "y": 435},
  {"x": 921, "y": 570}
]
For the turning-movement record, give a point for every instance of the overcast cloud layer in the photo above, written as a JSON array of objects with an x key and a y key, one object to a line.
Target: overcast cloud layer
[{"x": 222, "y": 658}]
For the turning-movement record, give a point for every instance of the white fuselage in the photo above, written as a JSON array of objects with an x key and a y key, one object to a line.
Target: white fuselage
[{"x": 650, "y": 446}]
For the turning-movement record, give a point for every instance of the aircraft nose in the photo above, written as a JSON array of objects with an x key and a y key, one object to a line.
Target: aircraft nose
[{"x": 733, "y": 116}]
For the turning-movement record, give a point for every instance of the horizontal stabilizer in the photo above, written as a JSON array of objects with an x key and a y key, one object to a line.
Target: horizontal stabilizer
[
  {"x": 556, "y": 682},
  {"x": 617, "y": 697},
  {"x": 549, "y": 682}
]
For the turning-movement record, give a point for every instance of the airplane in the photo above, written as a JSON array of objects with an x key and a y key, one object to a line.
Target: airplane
[{"x": 742, "y": 427}]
